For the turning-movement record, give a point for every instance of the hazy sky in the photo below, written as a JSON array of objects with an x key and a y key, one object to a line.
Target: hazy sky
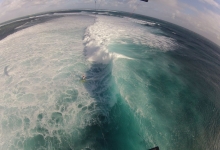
[{"x": 201, "y": 16}]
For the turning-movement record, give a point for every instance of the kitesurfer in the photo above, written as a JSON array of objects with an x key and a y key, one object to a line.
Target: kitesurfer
[{"x": 83, "y": 77}]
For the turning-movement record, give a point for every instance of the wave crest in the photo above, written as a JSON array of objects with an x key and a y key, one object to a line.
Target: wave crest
[{"x": 107, "y": 29}]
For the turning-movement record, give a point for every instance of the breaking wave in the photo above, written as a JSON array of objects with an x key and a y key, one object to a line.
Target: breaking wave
[{"x": 144, "y": 86}]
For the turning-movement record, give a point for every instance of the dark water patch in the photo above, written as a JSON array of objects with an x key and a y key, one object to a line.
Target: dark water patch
[
  {"x": 113, "y": 124},
  {"x": 184, "y": 107},
  {"x": 199, "y": 60},
  {"x": 99, "y": 84}
]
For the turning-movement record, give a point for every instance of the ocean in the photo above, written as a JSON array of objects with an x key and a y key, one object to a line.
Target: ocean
[{"x": 148, "y": 83}]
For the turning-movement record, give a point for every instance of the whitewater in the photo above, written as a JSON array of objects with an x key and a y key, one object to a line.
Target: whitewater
[{"x": 148, "y": 83}]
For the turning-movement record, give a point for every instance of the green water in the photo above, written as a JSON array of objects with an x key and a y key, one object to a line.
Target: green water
[{"x": 145, "y": 86}]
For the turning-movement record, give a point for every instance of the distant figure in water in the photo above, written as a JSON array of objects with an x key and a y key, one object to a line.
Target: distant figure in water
[
  {"x": 83, "y": 77},
  {"x": 5, "y": 71}
]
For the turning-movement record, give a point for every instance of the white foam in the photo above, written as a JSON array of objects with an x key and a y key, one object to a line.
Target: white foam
[
  {"x": 108, "y": 29},
  {"x": 45, "y": 63},
  {"x": 22, "y": 25},
  {"x": 103, "y": 13},
  {"x": 68, "y": 14},
  {"x": 141, "y": 21},
  {"x": 38, "y": 16}
]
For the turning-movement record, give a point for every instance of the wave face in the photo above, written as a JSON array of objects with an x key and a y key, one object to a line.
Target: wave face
[{"x": 148, "y": 83}]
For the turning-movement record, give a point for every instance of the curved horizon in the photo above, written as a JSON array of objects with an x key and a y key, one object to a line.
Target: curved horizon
[
  {"x": 200, "y": 16},
  {"x": 144, "y": 78}
]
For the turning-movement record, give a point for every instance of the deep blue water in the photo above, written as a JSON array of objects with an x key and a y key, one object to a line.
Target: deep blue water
[{"x": 148, "y": 83}]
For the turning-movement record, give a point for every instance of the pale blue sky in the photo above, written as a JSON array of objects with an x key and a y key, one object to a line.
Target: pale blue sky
[{"x": 201, "y": 16}]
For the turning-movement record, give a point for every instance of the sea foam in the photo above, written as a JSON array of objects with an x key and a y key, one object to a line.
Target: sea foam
[{"x": 106, "y": 30}]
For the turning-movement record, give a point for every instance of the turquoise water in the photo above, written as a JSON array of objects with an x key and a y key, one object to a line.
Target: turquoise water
[{"x": 148, "y": 83}]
